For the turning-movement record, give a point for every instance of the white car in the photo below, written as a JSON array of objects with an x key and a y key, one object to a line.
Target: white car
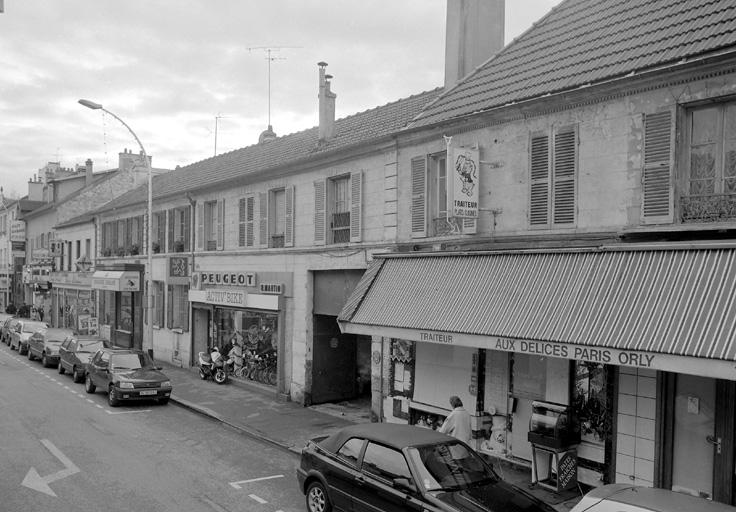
[{"x": 632, "y": 498}]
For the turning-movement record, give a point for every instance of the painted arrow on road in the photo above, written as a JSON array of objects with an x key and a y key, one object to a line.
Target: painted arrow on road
[{"x": 38, "y": 483}]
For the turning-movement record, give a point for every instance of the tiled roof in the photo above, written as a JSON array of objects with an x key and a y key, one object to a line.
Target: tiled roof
[
  {"x": 349, "y": 131},
  {"x": 582, "y": 42}
]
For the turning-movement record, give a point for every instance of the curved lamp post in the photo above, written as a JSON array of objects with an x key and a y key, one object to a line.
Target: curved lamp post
[
  {"x": 149, "y": 282},
  {"x": 10, "y": 247}
]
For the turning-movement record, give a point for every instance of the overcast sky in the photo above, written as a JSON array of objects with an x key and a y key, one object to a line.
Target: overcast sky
[{"x": 173, "y": 70}]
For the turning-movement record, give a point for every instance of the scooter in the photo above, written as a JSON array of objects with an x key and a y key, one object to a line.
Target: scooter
[{"x": 212, "y": 366}]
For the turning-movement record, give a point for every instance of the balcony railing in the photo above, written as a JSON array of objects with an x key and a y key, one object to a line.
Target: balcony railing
[
  {"x": 277, "y": 241},
  {"x": 340, "y": 228},
  {"x": 709, "y": 208},
  {"x": 446, "y": 226}
]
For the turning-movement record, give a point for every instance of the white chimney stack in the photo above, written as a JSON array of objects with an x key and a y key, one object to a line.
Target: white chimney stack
[{"x": 326, "y": 106}]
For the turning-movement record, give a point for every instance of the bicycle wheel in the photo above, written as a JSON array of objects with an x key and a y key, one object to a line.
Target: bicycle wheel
[{"x": 272, "y": 377}]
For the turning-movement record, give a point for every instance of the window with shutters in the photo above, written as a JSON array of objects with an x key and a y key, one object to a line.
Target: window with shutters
[
  {"x": 246, "y": 221},
  {"x": 553, "y": 176},
  {"x": 338, "y": 203},
  {"x": 709, "y": 178},
  {"x": 178, "y": 307},
  {"x": 211, "y": 225},
  {"x": 179, "y": 232},
  {"x": 429, "y": 200},
  {"x": 277, "y": 217},
  {"x": 158, "y": 301},
  {"x": 159, "y": 232}
]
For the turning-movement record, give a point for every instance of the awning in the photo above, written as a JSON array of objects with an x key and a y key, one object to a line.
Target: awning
[
  {"x": 116, "y": 280},
  {"x": 618, "y": 306}
]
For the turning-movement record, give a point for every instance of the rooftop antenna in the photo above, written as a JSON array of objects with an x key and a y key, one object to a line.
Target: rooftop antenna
[
  {"x": 270, "y": 49},
  {"x": 217, "y": 122}
]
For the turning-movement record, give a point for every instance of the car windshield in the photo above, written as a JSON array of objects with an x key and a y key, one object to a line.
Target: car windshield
[
  {"x": 32, "y": 327},
  {"x": 91, "y": 346},
  {"x": 130, "y": 362},
  {"x": 450, "y": 466}
]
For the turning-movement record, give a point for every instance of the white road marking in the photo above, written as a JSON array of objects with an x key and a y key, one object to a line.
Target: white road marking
[
  {"x": 35, "y": 481},
  {"x": 237, "y": 485},
  {"x": 259, "y": 500},
  {"x": 128, "y": 412}
]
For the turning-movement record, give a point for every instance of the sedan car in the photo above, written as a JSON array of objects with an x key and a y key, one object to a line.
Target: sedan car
[
  {"x": 3, "y": 318},
  {"x": 126, "y": 374},
  {"x": 632, "y": 498},
  {"x": 45, "y": 343},
  {"x": 76, "y": 351},
  {"x": 386, "y": 467},
  {"x": 22, "y": 330},
  {"x": 6, "y": 327}
]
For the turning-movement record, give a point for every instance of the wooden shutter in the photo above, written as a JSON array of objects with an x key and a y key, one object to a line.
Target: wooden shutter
[
  {"x": 171, "y": 214},
  {"x": 263, "y": 233},
  {"x": 289, "y": 217},
  {"x": 656, "y": 176},
  {"x": 156, "y": 233},
  {"x": 320, "y": 211},
  {"x": 419, "y": 197},
  {"x": 356, "y": 196},
  {"x": 565, "y": 171},
  {"x": 250, "y": 219},
  {"x": 200, "y": 226},
  {"x": 169, "y": 306},
  {"x": 187, "y": 228},
  {"x": 241, "y": 222},
  {"x": 539, "y": 158},
  {"x": 220, "y": 224}
]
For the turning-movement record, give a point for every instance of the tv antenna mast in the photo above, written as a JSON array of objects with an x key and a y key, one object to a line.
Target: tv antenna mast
[
  {"x": 269, "y": 50},
  {"x": 217, "y": 122}
]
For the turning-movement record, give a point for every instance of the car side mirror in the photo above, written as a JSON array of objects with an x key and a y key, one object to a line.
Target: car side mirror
[
  {"x": 159, "y": 367},
  {"x": 404, "y": 484}
]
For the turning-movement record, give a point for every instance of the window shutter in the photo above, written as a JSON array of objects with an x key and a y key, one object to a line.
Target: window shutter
[
  {"x": 289, "y": 217},
  {"x": 171, "y": 220},
  {"x": 419, "y": 197},
  {"x": 200, "y": 226},
  {"x": 241, "y": 222},
  {"x": 169, "y": 307},
  {"x": 263, "y": 219},
  {"x": 187, "y": 228},
  {"x": 657, "y": 200},
  {"x": 565, "y": 165},
  {"x": 250, "y": 219},
  {"x": 220, "y": 224},
  {"x": 320, "y": 210},
  {"x": 540, "y": 182},
  {"x": 156, "y": 232},
  {"x": 356, "y": 196}
]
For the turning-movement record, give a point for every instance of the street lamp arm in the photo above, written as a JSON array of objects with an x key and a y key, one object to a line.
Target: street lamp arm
[{"x": 96, "y": 106}]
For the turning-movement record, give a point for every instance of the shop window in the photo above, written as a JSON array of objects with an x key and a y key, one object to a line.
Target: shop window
[
  {"x": 429, "y": 215},
  {"x": 338, "y": 204},
  {"x": 257, "y": 334},
  {"x": 179, "y": 230},
  {"x": 553, "y": 173},
  {"x": 178, "y": 307},
  {"x": 401, "y": 370}
]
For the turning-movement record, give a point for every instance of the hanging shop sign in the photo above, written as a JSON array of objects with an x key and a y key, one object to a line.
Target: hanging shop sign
[
  {"x": 177, "y": 270},
  {"x": 228, "y": 278},
  {"x": 70, "y": 278},
  {"x": 116, "y": 281},
  {"x": 463, "y": 182},
  {"x": 17, "y": 231}
]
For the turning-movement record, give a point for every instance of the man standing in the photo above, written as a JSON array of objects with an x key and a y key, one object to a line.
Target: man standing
[{"x": 457, "y": 424}]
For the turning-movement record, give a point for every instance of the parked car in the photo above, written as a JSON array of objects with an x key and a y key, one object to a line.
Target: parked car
[
  {"x": 387, "y": 467},
  {"x": 632, "y": 498},
  {"x": 4, "y": 317},
  {"x": 126, "y": 374},
  {"x": 22, "y": 330},
  {"x": 45, "y": 343},
  {"x": 7, "y": 326},
  {"x": 76, "y": 351}
]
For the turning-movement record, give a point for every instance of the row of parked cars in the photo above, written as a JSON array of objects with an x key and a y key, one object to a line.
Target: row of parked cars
[{"x": 124, "y": 374}]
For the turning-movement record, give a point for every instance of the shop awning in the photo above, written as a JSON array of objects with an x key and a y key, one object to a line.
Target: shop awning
[
  {"x": 116, "y": 280},
  {"x": 673, "y": 302}
]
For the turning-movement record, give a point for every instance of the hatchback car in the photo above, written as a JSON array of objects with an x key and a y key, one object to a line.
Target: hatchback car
[
  {"x": 22, "y": 330},
  {"x": 126, "y": 374},
  {"x": 3, "y": 318},
  {"x": 386, "y": 467},
  {"x": 6, "y": 327},
  {"x": 76, "y": 351},
  {"x": 45, "y": 343},
  {"x": 632, "y": 498}
]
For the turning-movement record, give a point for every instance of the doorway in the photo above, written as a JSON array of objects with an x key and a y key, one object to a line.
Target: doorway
[{"x": 200, "y": 332}]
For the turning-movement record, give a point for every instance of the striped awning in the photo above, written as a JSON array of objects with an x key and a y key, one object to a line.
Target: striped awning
[{"x": 664, "y": 301}]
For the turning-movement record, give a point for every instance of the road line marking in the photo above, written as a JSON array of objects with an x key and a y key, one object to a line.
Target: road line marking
[
  {"x": 237, "y": 485},
  {"x": 128, "y": 412},
  {"x": 259, "y": 500}
]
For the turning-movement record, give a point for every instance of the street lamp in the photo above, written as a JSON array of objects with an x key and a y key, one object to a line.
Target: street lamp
[
  {"x": 10, "y": 248},
  {"x": 149, "y": 282}
]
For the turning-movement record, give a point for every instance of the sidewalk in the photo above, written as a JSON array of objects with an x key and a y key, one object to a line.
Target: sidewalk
[{"x": 255, "y": 410}]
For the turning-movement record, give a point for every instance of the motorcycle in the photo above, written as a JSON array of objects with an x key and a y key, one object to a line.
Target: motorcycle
[{"x": 212, "y": 366}]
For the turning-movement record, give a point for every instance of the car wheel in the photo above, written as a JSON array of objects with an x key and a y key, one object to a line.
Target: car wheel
[
  {"x": 88, "y": 386},
  {"x": 44, "y": 360},
  {"x": 317, "y": 499},
  {"x": 163, "y": 401},
  {"x": 30, "y": 355},
  {"x": 112, "y": 398},
  {"x": 60, "y": 368},
  {"x": 77, "y": 376}
]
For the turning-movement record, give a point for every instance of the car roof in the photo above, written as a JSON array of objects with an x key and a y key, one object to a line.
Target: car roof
[
  {"x": 56, "y": 330},
  {"x": 114, "y": 350},
  {"x": 390, "y": 434},
  {"x": 648, "y": 498}
]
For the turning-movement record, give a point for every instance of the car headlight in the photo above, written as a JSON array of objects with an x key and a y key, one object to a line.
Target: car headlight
[
  {"x": 126, "y": 385},
  {"x": 166, "y": 384}
]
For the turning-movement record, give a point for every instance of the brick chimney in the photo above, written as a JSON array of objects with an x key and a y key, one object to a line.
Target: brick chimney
[
  {"x": 88, "y": 172},
  {"x": 326, "y": 106},
  {"x": 474, "y": 33}
]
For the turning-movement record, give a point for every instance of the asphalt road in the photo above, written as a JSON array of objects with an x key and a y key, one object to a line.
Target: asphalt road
[{"x": 64, "y": 450}]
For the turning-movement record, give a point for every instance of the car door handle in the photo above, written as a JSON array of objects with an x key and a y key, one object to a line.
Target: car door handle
[{"x": 359, "y": 480}]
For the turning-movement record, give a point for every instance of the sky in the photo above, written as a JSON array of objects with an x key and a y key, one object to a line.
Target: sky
[{"x": 191, "y": 77}]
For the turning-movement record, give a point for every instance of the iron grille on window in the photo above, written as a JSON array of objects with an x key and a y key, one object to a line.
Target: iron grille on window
[
  {"x": 211, "y": 245},
  {"x": 277, "y": 241},
  {"x": 446, "y": 226},
  {"x": 340, "y": 227},
  {"x": 709, "y": 208}
]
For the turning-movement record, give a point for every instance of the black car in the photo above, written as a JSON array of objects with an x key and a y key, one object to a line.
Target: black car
[
  {"x": 44, "y": 344},
  {"x": 126, "y": 374},
  {"x": 386, "y": 467},
  {"x": 76, "y": 351}
]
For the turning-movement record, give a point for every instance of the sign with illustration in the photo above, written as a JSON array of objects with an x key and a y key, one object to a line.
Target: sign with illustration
[
  {"x": 463, "y": 182},
  {"x": 177, "y": 270}
]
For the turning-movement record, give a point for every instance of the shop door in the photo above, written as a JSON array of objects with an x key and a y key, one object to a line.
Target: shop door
[
  {"x": 702, "y": 457},
  {"x": 200, "y": 334},
  {"x": 333, "y": 362}
]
